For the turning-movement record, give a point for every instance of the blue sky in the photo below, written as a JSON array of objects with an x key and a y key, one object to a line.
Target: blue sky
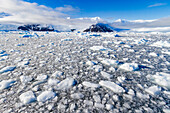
[{"x": 114, "y": 9}]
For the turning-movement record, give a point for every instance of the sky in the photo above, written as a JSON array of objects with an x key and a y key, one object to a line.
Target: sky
[
  {"x": 83, "y": 13},
  {"x": 114, "y": 9}
]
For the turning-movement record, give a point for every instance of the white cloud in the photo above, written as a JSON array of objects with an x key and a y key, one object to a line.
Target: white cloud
[
  {"x": 157, "y": 4},
  {"x": 67, "y": 8},
  {"x": 22, "y": 12}
]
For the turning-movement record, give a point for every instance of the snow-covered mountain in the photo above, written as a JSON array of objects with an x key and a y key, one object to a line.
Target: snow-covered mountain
[
  {"x": 101, "y": 27},
  {"x": 36, "y": 27}
]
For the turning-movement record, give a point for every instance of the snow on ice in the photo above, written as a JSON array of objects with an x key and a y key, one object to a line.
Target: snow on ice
[
  {"x": 112, "y": 86},
  {"x": 27, "y": 97}
]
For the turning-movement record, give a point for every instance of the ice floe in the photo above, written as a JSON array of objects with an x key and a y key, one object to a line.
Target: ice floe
[
  {"x": 46, "y": 95},
  {"x": 129, "y": 67},
  {"x": 160, "y": 78},
  {"x": 27, "y": 97},
  {"x": 66, "y": 84},
  {"x": 112, "y": 86},
  {"x": 25, "y": 79},
  {"x": 90, "y": 84},
  {"x": 153, "y": 90},
  {"x": 57, "y": 74},
  {"x": 4, "y": 84},
  {"x": 106, "y": 75},
  {"x": 77, "y": 96},
  {"x": 109, "y": 62},
  {"x": 7, "y": 69},
  {"x": 161, "y": 44}
]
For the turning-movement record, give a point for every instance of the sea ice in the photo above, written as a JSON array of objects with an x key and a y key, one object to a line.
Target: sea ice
[
  {"x": 42, "y": 77},
  {"x": 161, "y": 44},
  {"x": 160, "y": 78},
  {"x": 23, "y": 63},
  {"x": 112, "y": 86},
  {"x": 106, "y": 75},
  {"x": 77, "y": 95},
  {"x": 46, "y": 95},
  {"x": 4, "y": 84},
  {"x": 53, "y": 81},
  {"x": 25, "y": 79},
  {"x": 57, "y": 74},
  {"x": 90, "y": 84},
  {"x": 129, "y": 67},
  {"x": 27, "y": 97},
  {"x": 108, "y": 62},
  {"x": 99, "y": 48},
  {"x": 153, "y": 90},
  {"x": 66, "y": 84},
  {"x": 7, "y": 69}
]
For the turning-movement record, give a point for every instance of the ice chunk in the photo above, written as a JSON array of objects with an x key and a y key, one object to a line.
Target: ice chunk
[
  {"x": 153, "y": 54},
  {"x": 161, "y": 44},
  {"x": 129, "y": 67},
  {"x": 153, "y": 90},
  {"x": 53, "y": 81},
  {"x": 109, "y": 62},
  {"x": 160, "y": 78},
  {"x": 121, "y": 79},
  {"x": 99, "y": 105},
  {"x": 77, "y": 95},
  {"x": 66, "y": 84},
  {"x": 42, "y": 77},
  {"x": 23, "y": 63},
  {"x": 90, "y": 84},
  {"x": 46, "y": 95},
  {"x": 91, "y": 63},
  {"x": 57, "y": 74},
  {"x": 7, "y": 69},
  {"x": 4, "y": 84},
  {"x": 25, "y": 79},
  {"x": 99, "y": 48},
  {"x": 27, "y": 97},
  {"x": 112, "y": 86},
  {"x": 106, "y": 75},
  {"x": 97, "y": 68}
]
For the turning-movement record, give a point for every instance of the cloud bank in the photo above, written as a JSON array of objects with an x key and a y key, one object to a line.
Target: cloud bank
[{"x": 22, "y": 12}]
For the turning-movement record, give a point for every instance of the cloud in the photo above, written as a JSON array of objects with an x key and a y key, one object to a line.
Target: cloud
[
  {"x": 157, "y": 4},
  {"x": 67, "y": 8},
  {"x": 22, "y": 12}
]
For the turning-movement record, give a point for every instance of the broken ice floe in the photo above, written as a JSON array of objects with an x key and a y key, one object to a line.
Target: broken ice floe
[
  {"x": 57, "y": 74},
  {"x": 25, "y": 79},
  {"x": 23, "y": 63},
  {"x": 4, "y": 84},
  {"x": 27, "y": 97},
  {"x": 100, "y": 48},
  {"x": 77, "y": 96},
  {"x": 53, "y": 81},
  {"x": 109, "y": 62},
  {"x": 161, "y": 44},
  {"x": 153, "y": 90},
  {"x": 7, "y": 69},
  {"x": 112, "y": 86},
  {"x": 106, "y": 75},
  {"x": 160, "y": 78},
  {"x": 90, "y": 84},
  {"x": 129, "y": 67},
  {"x": 46, "y": 95},
  {"x": 66, "y": 84}
]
